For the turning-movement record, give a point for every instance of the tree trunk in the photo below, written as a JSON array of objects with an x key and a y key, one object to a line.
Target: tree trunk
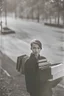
[
  {"x": 58, "y": 17},
  {"x": 50, "y": 19},
  {"x": 38, "y": 14},
  {"x": 63, "y": 19},
  {"x": 5, "y": 13},
  {"x": 63, "y": 13},
  {"x": 32, "y": 14},
  {"x": 58, "y": 12},
  {"x": 55, "y": 19}
]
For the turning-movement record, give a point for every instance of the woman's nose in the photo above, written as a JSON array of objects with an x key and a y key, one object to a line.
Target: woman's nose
[{"x": 36, "y": 50}]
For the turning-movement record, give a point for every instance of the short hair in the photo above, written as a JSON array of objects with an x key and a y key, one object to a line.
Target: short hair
[{"x": 36, "y": 42}]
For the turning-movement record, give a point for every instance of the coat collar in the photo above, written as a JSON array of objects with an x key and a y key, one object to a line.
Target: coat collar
[{"x": 32, "y": 55}]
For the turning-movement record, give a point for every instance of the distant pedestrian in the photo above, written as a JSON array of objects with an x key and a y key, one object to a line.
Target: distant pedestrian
[{"x": 32, "y": 77}]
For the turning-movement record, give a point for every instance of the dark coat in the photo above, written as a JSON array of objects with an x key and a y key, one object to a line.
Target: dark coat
[
  {"x": 36, "y": 86},
  {"x": 32, "y": 74}
]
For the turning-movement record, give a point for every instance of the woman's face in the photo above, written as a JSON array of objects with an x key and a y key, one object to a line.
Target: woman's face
[{"x": 35, "y": 49}]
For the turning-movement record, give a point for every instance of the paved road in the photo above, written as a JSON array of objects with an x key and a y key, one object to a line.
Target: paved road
[{"x": 52, "y": 38}]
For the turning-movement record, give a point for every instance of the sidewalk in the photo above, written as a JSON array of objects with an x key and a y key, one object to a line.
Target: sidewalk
[{"x": 10, "y": 86}]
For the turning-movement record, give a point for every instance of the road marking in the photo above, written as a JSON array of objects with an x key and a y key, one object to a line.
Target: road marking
[{"x": 6, "y": 72}]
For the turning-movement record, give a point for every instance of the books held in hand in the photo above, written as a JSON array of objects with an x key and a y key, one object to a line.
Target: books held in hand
[
  {"x": 50, "y": 71},
  {"x": 43, "y": 64}
]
